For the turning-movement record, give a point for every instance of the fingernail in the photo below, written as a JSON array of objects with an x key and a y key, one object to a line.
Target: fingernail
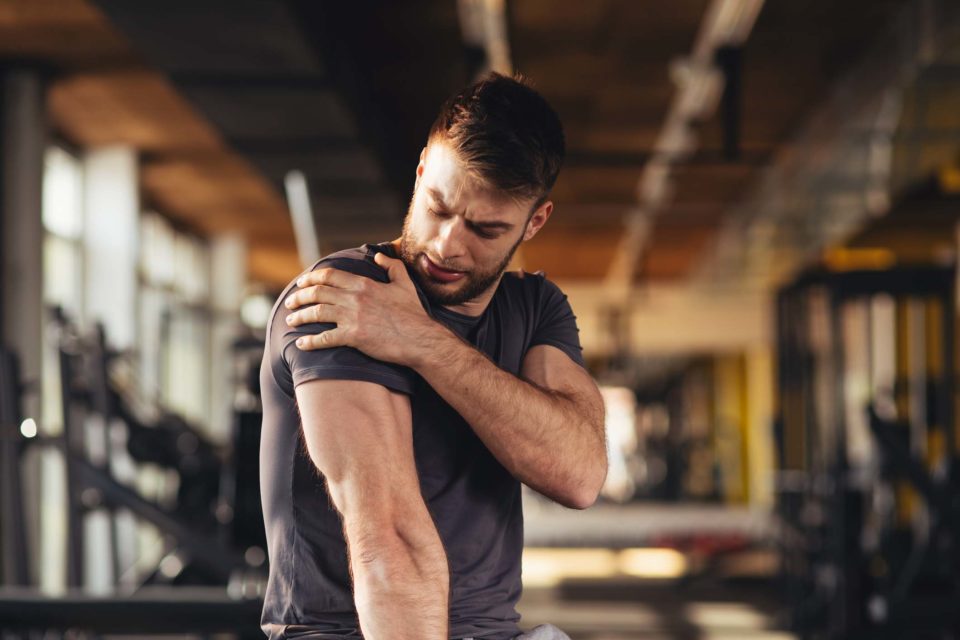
[
  {"x": 300, "y": 342},
  {"x": 300, "y": 281},
  {"x": 289, "y": 319}
]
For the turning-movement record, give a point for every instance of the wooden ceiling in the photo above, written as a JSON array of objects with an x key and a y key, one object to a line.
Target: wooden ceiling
[
  {"x": 67, "y": 34},
  {"x": 605, "y": 65},
  {"x": 102, "y": 93},
  {"x": 223, "y": 98}
]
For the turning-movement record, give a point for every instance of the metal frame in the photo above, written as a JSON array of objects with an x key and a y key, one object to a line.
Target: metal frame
[
  {"x": 182, "y": 610},
  {"x": 12, "y": 534},
  {"x": 859, "y": 604},
  {"x": 204, "y": 551}
]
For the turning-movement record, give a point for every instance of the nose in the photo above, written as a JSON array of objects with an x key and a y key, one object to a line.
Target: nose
[{"x": 448, "y": 244}]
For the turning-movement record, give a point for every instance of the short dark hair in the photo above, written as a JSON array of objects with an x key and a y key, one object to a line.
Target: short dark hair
[{"x": 506, "y": 133}]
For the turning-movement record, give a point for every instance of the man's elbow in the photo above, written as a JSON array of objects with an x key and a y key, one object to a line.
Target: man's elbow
[
  {"x": 582, "y": 500},
  {"x": 584, "y": 495},
  {"x": 593, "y": 475}
]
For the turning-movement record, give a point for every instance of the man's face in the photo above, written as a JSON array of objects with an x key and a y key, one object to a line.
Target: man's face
[{"x": 459, "y": 235}]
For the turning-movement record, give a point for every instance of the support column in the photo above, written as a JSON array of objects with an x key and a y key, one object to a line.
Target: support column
[
  {"x": 22, "y": 141},
  {"x": 23, "y": 135},
  {"x": 228, "y": 277}
]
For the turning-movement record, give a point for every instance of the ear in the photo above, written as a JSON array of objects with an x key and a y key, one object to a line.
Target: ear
[
  {"x": 423, "y": 159},
  {"x": 419, "y": 173},
  {"x": 538, "y": 219}
]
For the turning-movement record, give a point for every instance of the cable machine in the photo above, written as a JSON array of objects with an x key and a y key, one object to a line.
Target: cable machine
[
  {"x": 867, "y": 442},
  {"x": 209, "y": 525}
]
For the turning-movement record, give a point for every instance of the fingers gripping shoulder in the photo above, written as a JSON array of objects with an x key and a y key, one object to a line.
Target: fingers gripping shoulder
[
  {"x": 357, "y": 266},
  {"x": 340, "y": 362}
]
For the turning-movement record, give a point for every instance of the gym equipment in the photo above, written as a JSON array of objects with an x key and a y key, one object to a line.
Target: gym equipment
[
  {"x": 867, "y": 442},
  {"x": 159, "y": 610},
  {"x": 691, "y": 450},
  {"x": 91, "y": 395},
  {"x": 241, "y": 477},
  {"x": 212, "y": 530}
]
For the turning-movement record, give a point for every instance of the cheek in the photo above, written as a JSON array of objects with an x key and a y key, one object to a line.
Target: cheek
[
  {"x": 419, "y": 227},
  {"x": 490, "y": 255}
]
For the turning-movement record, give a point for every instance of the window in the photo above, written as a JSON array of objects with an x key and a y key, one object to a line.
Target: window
[
  {"x": 175, "y": 319},
  {"x": 62, "y": 212}
]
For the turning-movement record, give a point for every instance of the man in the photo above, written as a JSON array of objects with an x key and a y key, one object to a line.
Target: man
[{"x": 425, "y": 384}]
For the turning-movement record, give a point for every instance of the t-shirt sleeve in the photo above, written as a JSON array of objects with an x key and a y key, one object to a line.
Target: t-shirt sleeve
[
  {"x": 339, "y": 363},
  {"x": 556, "y": 324}
]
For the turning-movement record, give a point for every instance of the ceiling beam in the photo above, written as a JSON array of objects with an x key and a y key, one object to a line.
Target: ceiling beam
[
  {"x": 483, "y": 24},
  {"x": 727, "y": 23}
]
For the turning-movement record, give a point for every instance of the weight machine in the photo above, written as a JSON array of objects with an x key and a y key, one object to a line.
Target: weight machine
[
  {"x": 867, "y": 441},
  {"x": 94, "y": 403},
  {"x": 211, "y": 531}
]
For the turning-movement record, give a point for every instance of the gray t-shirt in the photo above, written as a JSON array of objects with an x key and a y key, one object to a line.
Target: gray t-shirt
[{"x": 474, "y": 500}]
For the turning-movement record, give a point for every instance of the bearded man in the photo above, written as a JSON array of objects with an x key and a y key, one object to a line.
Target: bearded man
[{"x": 410, "y": 387}]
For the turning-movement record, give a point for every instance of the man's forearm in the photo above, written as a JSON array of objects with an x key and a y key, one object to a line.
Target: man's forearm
[
  {"x": 401, "y": 584},
  {"x": 552, "y": 442}
]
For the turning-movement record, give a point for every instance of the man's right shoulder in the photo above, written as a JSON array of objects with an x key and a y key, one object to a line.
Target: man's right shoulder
[
  {"x": 357, "y": 260},
  {"x": 291, "y": 367}
]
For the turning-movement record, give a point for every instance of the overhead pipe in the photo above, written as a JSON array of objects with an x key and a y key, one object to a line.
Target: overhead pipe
[
  {"x": 700, "y": 83},
  {"x": 483, "y": 24},
  {"x": 301, "y": 213},
  {"x": 838, "y": 171}
]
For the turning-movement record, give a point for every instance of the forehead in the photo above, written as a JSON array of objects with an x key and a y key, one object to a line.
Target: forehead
[{"x": 446, "y": 178}]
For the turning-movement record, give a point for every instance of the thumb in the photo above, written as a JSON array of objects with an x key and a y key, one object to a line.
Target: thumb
[{"x": 395, "y": 268}]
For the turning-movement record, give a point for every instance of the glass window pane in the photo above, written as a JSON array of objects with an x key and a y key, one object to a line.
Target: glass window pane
[
  {"x": 152, "y": 306},
  {"x": 187, "y": 361},
  {"x": 62, "y": 194},
  {"x": 157, "y": 249},
  {"x": 191, "y": 270},
  {"x": 63, "y": 274}
]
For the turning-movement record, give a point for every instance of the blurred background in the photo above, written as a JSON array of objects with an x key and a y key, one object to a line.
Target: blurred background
[{"x": 756, "y": 226}]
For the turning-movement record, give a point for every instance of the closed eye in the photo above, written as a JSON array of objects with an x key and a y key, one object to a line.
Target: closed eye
[
  {"x": 487, "y": 231},
  {"x": 489, "y": 234}
]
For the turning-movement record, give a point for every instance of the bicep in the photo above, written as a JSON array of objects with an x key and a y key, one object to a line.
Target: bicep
[
  {"x": 553, "y": 370},
  {"x": 359, "y": 436}
]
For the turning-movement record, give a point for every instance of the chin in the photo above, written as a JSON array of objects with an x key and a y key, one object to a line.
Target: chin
[{"x": 442, "y": 294}]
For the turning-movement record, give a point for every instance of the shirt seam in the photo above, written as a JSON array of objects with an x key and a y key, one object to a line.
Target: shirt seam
[
  {"x": 345, "y": 367},
  {"x": 566, "y": 347}
]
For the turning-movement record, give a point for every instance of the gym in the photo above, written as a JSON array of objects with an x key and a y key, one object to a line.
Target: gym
[{"x": 755, "y": 225}]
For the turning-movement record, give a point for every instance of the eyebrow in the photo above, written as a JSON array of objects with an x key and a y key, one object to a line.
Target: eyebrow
[{"x": 437, "y": 197}]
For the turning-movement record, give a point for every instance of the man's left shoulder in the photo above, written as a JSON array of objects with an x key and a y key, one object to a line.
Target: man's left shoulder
[
  {"x": 535, "y": 286},
  {"x": 518, "y": 278}
]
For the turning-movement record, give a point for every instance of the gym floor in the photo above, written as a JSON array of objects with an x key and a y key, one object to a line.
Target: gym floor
[
  {"x": 717, "y": 578},
  {"x": 608, "y": 610}
]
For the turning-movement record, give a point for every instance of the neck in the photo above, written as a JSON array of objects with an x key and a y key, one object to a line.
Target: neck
[{"x": 478, "y": 305}]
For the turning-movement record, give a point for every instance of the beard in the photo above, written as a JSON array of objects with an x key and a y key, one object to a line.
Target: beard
[{"x": 473, "y": 283}]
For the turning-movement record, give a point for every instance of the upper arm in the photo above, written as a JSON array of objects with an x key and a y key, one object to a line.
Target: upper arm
[
  {"x": 359, "y": 436},
  {"x": 551, "y": 369},
  {"x": 554, "y": 361}
]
